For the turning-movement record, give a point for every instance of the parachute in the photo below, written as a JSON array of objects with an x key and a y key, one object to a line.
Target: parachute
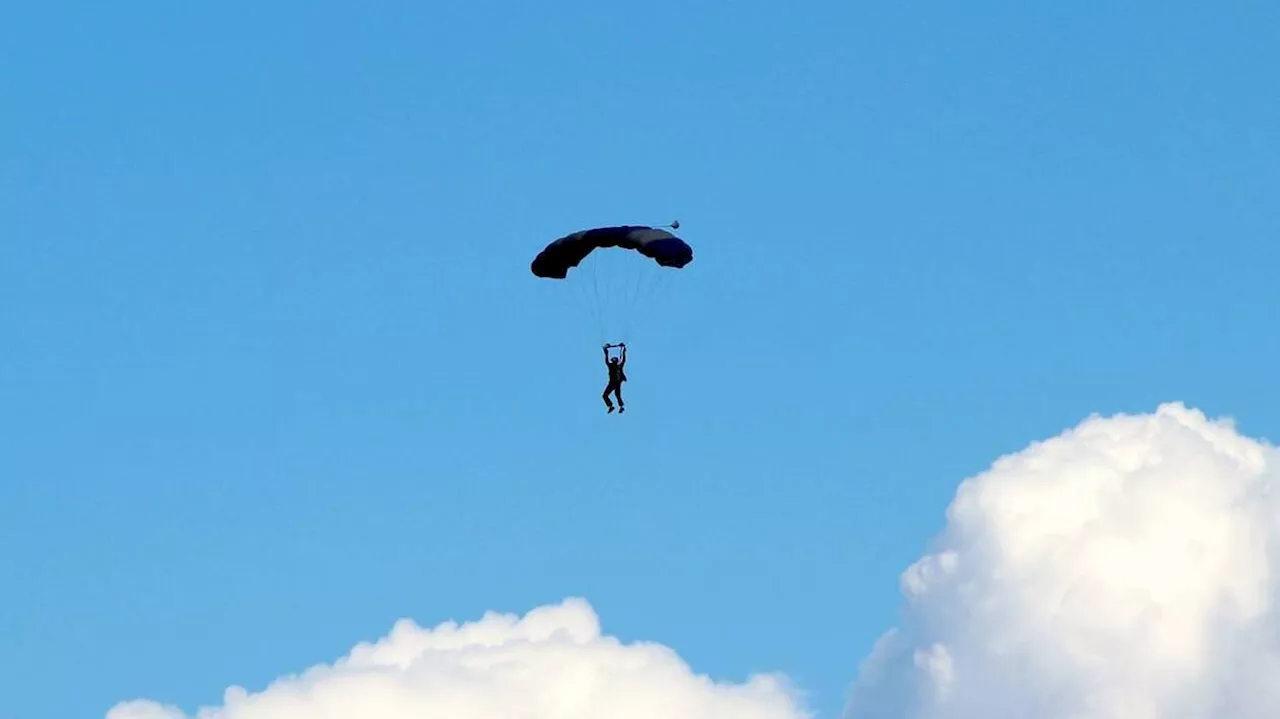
[
  {"x": 611, "y": 271},
  {"x": 569, "y": 251}
]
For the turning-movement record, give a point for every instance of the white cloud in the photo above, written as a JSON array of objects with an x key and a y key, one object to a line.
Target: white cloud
[
  {"x": 553, "y": 663},
  {"x": 1126, "y": 569}
]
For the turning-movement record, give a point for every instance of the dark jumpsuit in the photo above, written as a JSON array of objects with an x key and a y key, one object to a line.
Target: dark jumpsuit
[{"x": 616, "y": 378}]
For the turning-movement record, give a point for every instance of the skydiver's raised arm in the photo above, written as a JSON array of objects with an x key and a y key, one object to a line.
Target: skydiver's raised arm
[
  {"x": 606, "y": 354},
  {"x": 623, "y": 361}
]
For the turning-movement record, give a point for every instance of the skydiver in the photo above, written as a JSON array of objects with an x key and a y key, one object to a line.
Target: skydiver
[{"x": 616, "y": 376}]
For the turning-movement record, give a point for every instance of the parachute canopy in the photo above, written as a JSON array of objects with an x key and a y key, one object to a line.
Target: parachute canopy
[
  {"x": 555, "y": 261},
  {"x": 615, "y": 272}
]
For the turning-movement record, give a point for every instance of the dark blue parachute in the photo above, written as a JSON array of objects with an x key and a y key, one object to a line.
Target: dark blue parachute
[{"x": 555, "y": 261}]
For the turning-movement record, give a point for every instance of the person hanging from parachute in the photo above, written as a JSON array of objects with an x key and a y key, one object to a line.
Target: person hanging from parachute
[
  {"x": 617, "y": 375},
  {"x": 655, "y": 244}
]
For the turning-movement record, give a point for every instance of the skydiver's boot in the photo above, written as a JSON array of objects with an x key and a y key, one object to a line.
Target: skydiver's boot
[{"x": 611, "y": 408}]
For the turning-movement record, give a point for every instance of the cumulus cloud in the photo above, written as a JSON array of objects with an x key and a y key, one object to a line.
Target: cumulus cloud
[
  {"x": 553, "y": 663},
  {"x": 1126, "y": 569}
]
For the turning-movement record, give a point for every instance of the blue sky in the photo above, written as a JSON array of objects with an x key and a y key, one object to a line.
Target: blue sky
[{"x": 275, "y": 372}]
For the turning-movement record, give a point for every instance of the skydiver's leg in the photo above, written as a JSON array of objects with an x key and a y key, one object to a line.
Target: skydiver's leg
[
  {"x": 608, "y": 403},
  {"x": 617, "y": 392}
]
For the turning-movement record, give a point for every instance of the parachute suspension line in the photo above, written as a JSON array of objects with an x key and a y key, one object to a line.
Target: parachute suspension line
[
  {"x": 655, "y": 281},
  {"x": 613, "y": 287},
  {"x": 622, "y": 291},
  {"x": 643, "y": 272},
  {"x": 577, "y": 297},
  {"x": 618, "y": 294},
  {"x": 616, "y": 272},
  {"x": 575, "y": 300},
  {"x": 626, "y": 310},
  {"x": 592, "y": 307},
  {"x": 594, "y": 262},
  {"x": 644, "y": 279},
  {"x": 658, "y": 283},
  {"x": 642, "y": 283}
]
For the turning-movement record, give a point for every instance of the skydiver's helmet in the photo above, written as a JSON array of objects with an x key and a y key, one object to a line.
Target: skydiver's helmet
[{"x": 613, "y": 360}]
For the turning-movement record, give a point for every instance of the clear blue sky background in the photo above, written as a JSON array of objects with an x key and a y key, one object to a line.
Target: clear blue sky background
[{"x": 274, "y": 372}]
